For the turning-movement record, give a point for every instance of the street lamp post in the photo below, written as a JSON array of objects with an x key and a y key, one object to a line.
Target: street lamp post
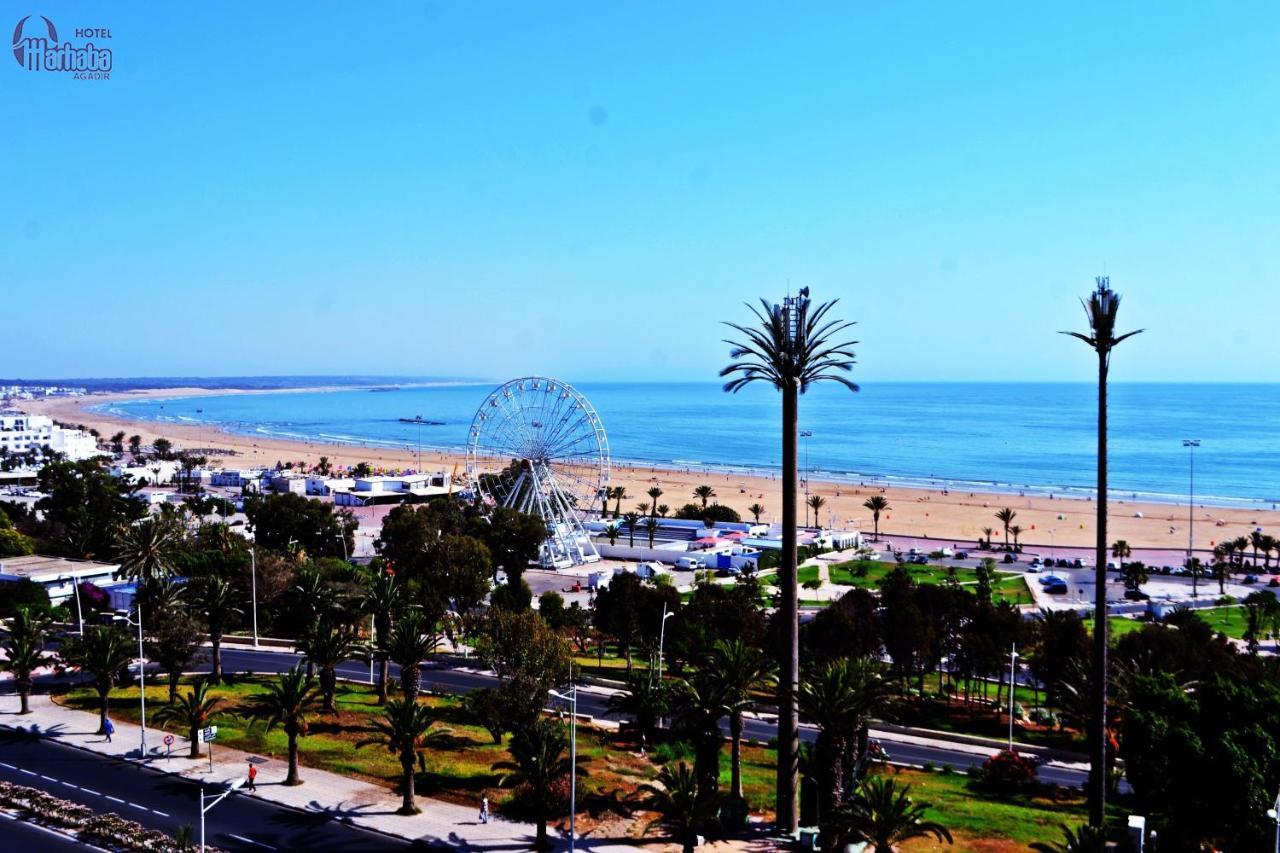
[
  {"x": 1191, "y": 444},
  {"x": 1013, "y": 681},
  {"x": 572, "y": 699},
  {"x": 807, "y": 434},
  {"x": 142, "y": 681},
  {"x": 253, "y": 585},
  {"x": 662, "y": 634},
  {"x": 75, "y": 587},
  {"x": 232, "y": 787}
]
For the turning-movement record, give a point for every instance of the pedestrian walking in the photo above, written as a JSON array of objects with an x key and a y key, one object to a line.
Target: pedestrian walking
[
  {"x": 109, "y": 728},
  {"x": 484, "y": 810},
  {"x": 253, "y": 774}
]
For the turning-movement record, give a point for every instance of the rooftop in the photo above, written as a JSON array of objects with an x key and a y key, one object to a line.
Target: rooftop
[{"x": 38, "y": 568}]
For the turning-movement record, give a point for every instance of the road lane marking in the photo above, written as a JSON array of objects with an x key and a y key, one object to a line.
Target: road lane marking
[
  {"x": 140, "y": 808},
  {"x": 162, "y": 814},
  {"x": 28, "y": 772},
  {"x": 10, "y": 766},
  {"x": 91, "y": 791},
  {"x": 244, "y": 840},
  {"x": 115, "y": 799},
  {"x": 47, "y": 778}
]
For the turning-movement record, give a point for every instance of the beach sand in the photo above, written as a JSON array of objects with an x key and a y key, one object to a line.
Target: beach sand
[{"x": 958, "y": 516}]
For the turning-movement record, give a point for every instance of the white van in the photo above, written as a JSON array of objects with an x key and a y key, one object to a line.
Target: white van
[
  {"x": 691, "y": 564},
  {"x": 650, "y": 570}
]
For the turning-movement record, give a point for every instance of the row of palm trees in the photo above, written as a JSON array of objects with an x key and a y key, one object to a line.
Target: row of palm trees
[{"x": 792, "y": 346}]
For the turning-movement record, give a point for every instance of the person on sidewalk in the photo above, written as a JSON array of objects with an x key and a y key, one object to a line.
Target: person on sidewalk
[
  {"x": 108, "y": 727},
  {"x": 484, "y": 810},
  {"x": 253, "y": 774}
]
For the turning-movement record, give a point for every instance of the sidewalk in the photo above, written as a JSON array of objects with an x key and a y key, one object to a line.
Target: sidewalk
[{"x": 349, "y": 800}]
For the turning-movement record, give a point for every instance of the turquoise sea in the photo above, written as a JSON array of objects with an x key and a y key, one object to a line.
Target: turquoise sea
[{"x": 997, "y": 436}]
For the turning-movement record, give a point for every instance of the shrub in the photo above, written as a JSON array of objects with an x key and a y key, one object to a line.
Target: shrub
[{"x": 1008, "y": 771}]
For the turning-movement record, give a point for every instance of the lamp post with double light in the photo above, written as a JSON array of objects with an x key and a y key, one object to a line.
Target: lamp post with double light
[{"x": 572, "y": 699}]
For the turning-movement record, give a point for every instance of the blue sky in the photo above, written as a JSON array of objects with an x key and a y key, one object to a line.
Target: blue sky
[{"x": 586, "y": 189}]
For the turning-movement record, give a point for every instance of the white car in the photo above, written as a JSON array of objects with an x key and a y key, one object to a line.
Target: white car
[{"x": 691, "y": 563}]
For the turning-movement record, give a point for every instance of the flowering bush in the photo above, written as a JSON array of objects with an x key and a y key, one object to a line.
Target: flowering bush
[{"x": 1008, "y": 771}]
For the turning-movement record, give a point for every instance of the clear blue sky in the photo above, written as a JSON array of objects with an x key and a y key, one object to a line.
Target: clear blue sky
[{"x": 586, "y": 189}]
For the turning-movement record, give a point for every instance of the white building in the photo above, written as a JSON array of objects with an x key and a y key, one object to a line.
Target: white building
[
  {"x": 23, "y": 433},
  {"x": 393, "y": 489},
  {"x": 322, "y": 487},
  {"x": 57, "y": 575},
  {"x": 287, "y": 482},
  {"x": 153, "y": 473}
]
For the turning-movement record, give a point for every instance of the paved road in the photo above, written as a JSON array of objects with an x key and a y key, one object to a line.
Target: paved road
[
  {"x": 167, "y": 802},
  {"x": 454, "y": 681},
  {"x": 17, "y": 834}
]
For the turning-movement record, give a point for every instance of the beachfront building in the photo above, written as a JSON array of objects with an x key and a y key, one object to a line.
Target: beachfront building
[
  {"x": 366, "y": 491},
  {"x": 288, "y": 483},
  {"x": 153, "y": 473},
  {"x": 57, "y": 575},
  {"x": 22, "y": 433},
  {"x": 322, "y": 487}
]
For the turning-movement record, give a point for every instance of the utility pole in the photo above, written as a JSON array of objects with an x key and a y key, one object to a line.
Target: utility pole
[
  {"x": 807, "y": 434},
  {"x": 1191, "y": 444}
]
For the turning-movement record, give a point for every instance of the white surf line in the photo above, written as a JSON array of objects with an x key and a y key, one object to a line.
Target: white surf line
[{"x": 244, "y": 840}]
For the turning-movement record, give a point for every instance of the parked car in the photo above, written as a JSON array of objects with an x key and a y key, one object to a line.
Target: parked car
[
  {"x": 1033, "y": 569},
  {"x": 1058, "y": 588},
  {"x": 920, "y": 560},
  {"x": 1250, "y": 578},
  {"x": 1077, "y": 563},
  {"x": 1035, "y": 562},
  {"x": 1136, "y": 595},
  {"x": 1010, "y": 558},
  {"x": 960, "y": 555}
]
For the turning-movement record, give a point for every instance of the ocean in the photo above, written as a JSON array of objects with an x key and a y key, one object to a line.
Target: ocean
[{"x": 1005, "y": 437}]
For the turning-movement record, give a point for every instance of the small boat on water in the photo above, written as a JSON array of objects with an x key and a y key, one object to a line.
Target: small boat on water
[{"x": 422, "y": 421}]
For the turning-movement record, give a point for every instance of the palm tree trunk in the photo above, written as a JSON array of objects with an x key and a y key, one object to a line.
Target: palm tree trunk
[
  {"x": 410, "y": 680},
  {"x": 1098, "y": 737},
  {"x": 102, "y": 711},
  {"x": 216, "y": 639},
  {"x": 194, "y": 735},
  {"x": 541, "y": 843},
  {"x": 735, "y": 756},
  {"x": 24, "y": 697},
  {"x": 384, "y": 675},
  {"x": 292, "y": 778},
  {"x": 409, "y": 806},
  {"x": 328, "y": 688},
  {"x": 173, "y": 686},
  {"x": 788, "y": 817}
]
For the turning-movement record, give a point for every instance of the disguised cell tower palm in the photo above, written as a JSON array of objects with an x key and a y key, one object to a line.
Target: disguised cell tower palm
[
  {"x": 1101, "y": 309},
  {"x": 791, "y": 347}
]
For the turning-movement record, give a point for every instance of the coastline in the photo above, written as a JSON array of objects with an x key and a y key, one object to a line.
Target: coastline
[{"x": 940, "y": 512}]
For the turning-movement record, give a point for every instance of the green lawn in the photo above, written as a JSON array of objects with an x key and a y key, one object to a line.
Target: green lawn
[
  {"x": 868, "y": 573},
  {"x": 459, "y": 770},
  {"x": 1231, "y": 620}
]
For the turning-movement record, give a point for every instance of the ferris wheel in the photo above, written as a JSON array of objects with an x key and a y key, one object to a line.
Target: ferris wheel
[{"x": 536, "y": 445}]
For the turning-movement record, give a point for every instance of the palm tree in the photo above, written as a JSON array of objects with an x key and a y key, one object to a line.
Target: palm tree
[
  {"x": 218, "y": 601},
  {"x": 1256, "y": 540},
  {"x": 405, "y": 731},
  {"x": 1085, "y": 839},
  {"x": 816, "y": 503},
  {"x": 705, "y": 493},
  {"x": 741, "y": 671},
  {"x": 612, "y": 530},
  {"x": 1101, "y": 309},
  {"x": 651, "y": 526},
  {"x": 146, "y": 548},
  {"x": 756, "y": 511},
  {"x": 538, "y": 760},
  {"x": 1016, "y": 531},
  {"x": 1121, "y": 551},
  {"x": 1006, "y": 517},
  {"x": 412, "y": 640},
  {"x": 287, "y": 702},
  {"x": 383, "y": 597},
  {"x": 877, "y": 504},
  {"x": 619, "y": 494},
  {"x": 24, "y": 654},
  {"x": 327, "y": 644},
  {"x": 681, "y": 808},
  {"x": 631, "y": 519},
  {"x": 987, "y": 531},
  {"x": 841, "y": 698},
  {"x": 884, "y": 816},
  {"x": 654, "y": 493},
  {"x": 102, "y": 652},
  {"x": 791, "y": 347},
  {"x": 194, "y": 711},
  {"x": 644, "y": 701},
  {"x": 663, "y": 509},
  {"x": 642, "y": 508}
]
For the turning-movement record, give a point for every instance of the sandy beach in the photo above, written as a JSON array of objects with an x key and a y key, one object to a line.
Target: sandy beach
[{"x": 960, "y": 516}]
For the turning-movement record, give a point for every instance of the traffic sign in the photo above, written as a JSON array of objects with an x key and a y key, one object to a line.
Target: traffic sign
[
  {"x": 168, "y": 740},
  {"x": 209, "y": 735}
]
